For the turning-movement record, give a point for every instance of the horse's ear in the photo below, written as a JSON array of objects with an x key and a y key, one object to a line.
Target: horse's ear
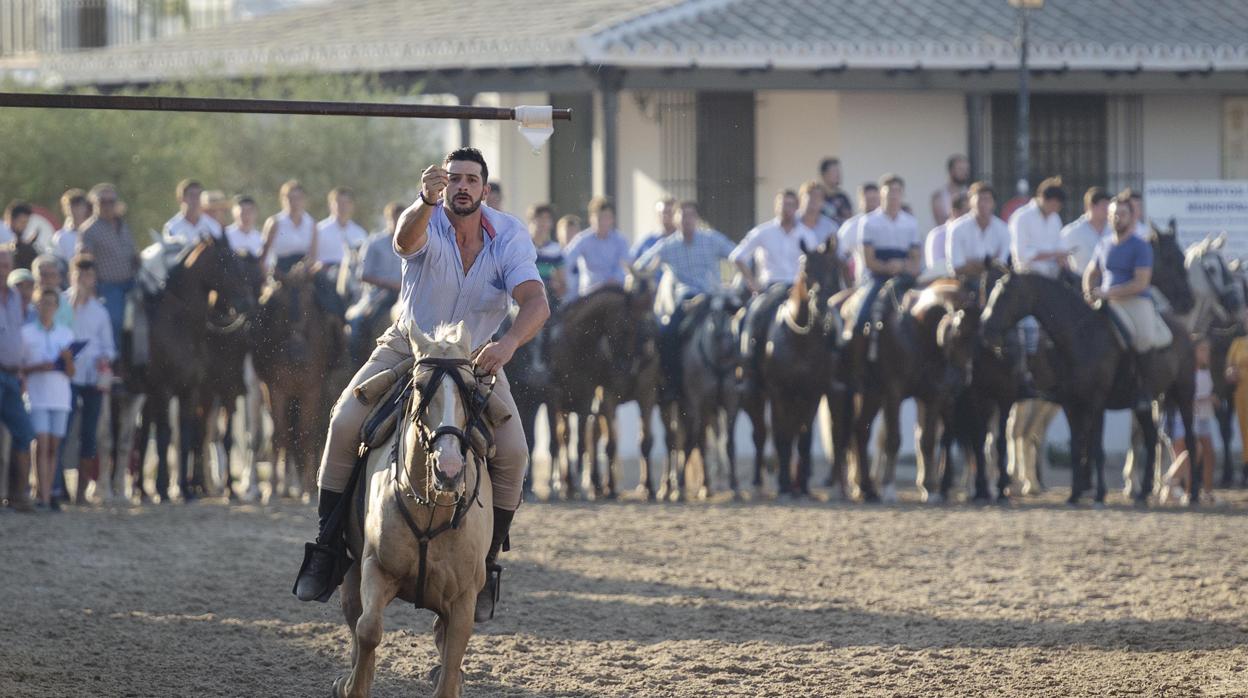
[
  {"x": 462, "y": 337},
  {"x": 1172, "y": 227},
  {"x": 419, "y": 340},
  {"x": 802, "y": 245},
  {"x": 1219, "y": 241}
]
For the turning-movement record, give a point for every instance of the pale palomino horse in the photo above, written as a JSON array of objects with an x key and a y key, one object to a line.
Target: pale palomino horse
[{"x": 427, "y": 515}]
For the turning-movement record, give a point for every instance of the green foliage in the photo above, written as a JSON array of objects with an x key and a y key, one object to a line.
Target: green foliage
[{"x": 43, "y": 152}]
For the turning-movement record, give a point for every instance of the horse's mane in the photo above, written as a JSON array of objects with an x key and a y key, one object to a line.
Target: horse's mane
[{"x": 592, "y": 302}]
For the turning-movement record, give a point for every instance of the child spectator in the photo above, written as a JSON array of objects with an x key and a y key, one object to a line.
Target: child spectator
[{"x": 47, "y": 385}]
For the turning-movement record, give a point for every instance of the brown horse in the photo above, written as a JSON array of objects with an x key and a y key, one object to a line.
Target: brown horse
[
  {"x": 603, "y": 353},
  {"x": 297, "y": 344},
  {"x": 177, "y": 321},
  {"x": 421, "y": 521}
]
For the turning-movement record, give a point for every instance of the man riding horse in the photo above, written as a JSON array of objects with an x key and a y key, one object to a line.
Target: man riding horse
[{"x": 461, "y": 261}]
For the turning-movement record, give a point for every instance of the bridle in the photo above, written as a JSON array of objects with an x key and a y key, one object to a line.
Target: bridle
[{"x": 474, "y": 401}]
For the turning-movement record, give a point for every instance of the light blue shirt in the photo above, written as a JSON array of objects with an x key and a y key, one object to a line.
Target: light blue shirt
[
  {"x": 435, "y": 289},
  {"x": 695, "y": 263},
  {"x": 597, "y": 260}
]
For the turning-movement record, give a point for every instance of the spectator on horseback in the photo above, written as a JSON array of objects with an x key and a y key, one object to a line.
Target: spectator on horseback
[
  {"x": 243, "y": 235},
  {"x": 811, "y": 198},
  {"x": 13, "y": 414},
  {"x": 549, "y": 254},
  {"x": 693, "y": 257},
  {"x": 665, "y": 209},
  {"x": 958, "y": 168},
  {"x": 106, "y": 237},
  {"x": 381, "y": 276},
  {"x": 891, "y": 250},
  {"x": 599, "y": 254},
  {"x": 934, "y": 246},
  {"x": 977, "y": 237},
  {"x": 93, "y": 375},
  {"x": 847, "y": 234},
  {"x": 1085, "y": 233},
  {"x": 338, "y": 237},
  {"x": 190, "y": 224},
  {"x": 1120, "y": 273},
  {"x": 774, "y": 248},
  {"x": 288, "y": 234},
  {"x": 461, "y": 262},
  {"x": 1036, "y": 247},
  {"x": 76, "y": 210}
]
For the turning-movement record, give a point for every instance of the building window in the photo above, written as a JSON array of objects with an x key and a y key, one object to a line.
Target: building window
[{"x": 1235, "y": 138}]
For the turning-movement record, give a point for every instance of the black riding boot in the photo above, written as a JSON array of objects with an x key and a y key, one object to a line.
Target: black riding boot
[
  {"x": 488, "y": 597},
  {"x": 316, "y": 580}
]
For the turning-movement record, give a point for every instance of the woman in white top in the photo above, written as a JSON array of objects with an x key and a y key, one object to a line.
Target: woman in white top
[
  {"x": 45, "y": 343},
  {"x": 93, "y": 377},
  {"x": 288, "y": 235}
]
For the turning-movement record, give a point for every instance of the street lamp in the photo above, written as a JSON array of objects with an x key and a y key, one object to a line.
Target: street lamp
[{"x": 1024, "y": 96}]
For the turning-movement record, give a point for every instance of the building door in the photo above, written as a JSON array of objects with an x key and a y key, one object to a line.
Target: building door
[
  {"x": 725, "y": 160},
  {"x": 1069, "y": 137}
]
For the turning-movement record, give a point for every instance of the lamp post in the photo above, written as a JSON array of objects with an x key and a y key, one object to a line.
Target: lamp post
[{"x": 1023, "y": 143}]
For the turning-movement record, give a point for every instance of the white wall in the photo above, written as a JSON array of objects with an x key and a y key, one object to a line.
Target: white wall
[
  {"x": 795, "y": 130},
  {"x": 637, "y": 169},
  {"x": 910, "y": 134},
  {"x": 1182, "y": 136},
  {"x": 524, "y": 175}
]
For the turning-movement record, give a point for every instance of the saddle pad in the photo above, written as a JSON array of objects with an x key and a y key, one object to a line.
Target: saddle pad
[
  {"x": 380, "y": 422},
  {"x": 1121, "y": 335}
]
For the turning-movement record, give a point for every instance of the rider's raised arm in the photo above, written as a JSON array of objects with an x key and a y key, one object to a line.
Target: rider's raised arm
[
  {"x": 412, "y": 231},
  {"x": 270, "y": 232}
]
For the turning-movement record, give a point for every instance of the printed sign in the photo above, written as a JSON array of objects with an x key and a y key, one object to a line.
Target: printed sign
[{"x": 1201, "y": 207}]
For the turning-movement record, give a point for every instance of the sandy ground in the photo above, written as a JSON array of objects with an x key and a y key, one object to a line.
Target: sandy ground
[{"x": 630, "y": 599}]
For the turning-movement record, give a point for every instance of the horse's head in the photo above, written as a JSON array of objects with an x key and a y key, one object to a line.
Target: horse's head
[
  {"x": 822, "y": 267},
  {"x": 445, "y": 424},
  {"x": 721, "y": 330},
  {"x": 1212, "y": 280},
  {"x": 1010, "y": 301},
  {"x": 1170, "y": 275},
  {"x": 219, "y": 273}
]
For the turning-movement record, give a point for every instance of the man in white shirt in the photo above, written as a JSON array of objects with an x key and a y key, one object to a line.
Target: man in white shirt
[
  {"x": 243, "y": 235},
  {"x": 890, "y": 248},
  {"x": 76, "y": 209},
  {"x": 774, "y": 247},
  {"x": 338, "y": 236},
  {"x": 190, "y": 224},
  {"x": 1083, "y": 235},
  {"x": 1036, "y": 247},
  {"x": 811, "y": 197},
  {"x": 935, "y": 245},
  {"x": 847, "y": 234},
  {"x": 977, "y": 236}
]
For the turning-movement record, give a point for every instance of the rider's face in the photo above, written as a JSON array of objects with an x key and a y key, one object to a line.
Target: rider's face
[{"x": 466, "y": 190}]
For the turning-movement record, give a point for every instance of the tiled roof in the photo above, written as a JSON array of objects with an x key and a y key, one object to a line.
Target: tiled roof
[{"x": 407, "y": 35}]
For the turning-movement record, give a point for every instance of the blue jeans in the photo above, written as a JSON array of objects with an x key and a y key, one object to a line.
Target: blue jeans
[
  {"x": 87, "y": 402},
  {"x": 114, "y": 296},
  {"x": 874, "y": 284},
  {"x": 13, "y": 413}
]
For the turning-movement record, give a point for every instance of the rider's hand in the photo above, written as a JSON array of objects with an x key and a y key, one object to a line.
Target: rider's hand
[
  {"x": 433, "y": 182},
  {"x": 495, "y": 355}
]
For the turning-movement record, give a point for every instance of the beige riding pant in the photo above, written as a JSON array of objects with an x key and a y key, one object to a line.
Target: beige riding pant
[
  {"x": 506, "y": 468},
  {"x": 1147, "y": 328}
]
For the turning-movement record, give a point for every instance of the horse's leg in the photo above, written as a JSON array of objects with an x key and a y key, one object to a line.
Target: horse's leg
[
  {"x": 554, "y": 444},
  {"x": 755, "y": 409},
  {"x": 457, "y": 629},
  {"x": 352, "y": 607},
  {"x": 1148, "y": 430},
  {"x": 308, "y": 453},
  {"x": 1222, "y": 410},
  {"x": 279, "y": 409},
  {"x": 868, "y": 406},
  {"x": 782, "y": 439},
  {"x": 841, "y": 405},
  {"x": 728, "y": 424},
  {"x": 926, "y": 427},
  {"x": 160, "y": 418},
  {"x": 890, "y": 443},
  {"x": 647, "y": 441},
  {"x": 1076, "y": 416},
  {"x": 376, "y": 592},
  {"x": 647, "y": 444},
  {"x": 805, "y": 442},
  {"x": 589, "y": 450}
]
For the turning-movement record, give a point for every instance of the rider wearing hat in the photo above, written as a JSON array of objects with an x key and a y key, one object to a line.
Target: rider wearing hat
[{"x": 462, "y": 261}]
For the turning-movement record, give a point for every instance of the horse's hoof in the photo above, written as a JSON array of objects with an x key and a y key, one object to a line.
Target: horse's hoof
[
  {"x": 611, "y": 495},
  {"x": 339, "y": 689},
  {"x": 1098, "y": 505},
  {"x": 736, "y": 495},
  {"x": 1072, "y": 501},
  {"x": 1003, "y": 500},
  {"x": 889, "y": 496},
  {"x": 434, "y": 674},
  {"x": 704, "y": 493},
  {"x": 1140, "y": 502},
  {"x": 870, "y": 498},
  {"x": 934, "y": 498},
  {"x": 676, "y": 496}
]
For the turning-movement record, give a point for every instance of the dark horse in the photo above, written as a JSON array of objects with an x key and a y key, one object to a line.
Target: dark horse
[
  {"x": 297, "y": 344},
  {"x": 178, "y": 319},
  {"x": 529, "y": 373},
  {"x": 229, "y": 343},
  {"x": 1094, "y": 372},
  {"x": 765, "y": 337},
  {"x": 603, "y": 352}
]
